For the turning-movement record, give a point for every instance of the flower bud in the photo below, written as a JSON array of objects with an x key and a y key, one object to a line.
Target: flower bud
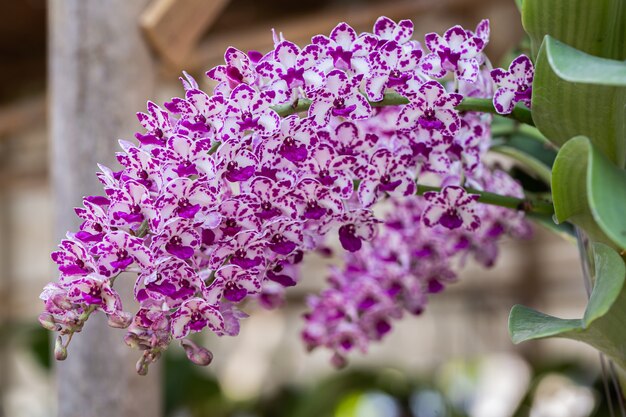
[
  {"x": 196, "y": 354},
  {"x": 120, "y": 320},
  {"x": 338, "y": 361},
  {"x": 142, "y": 366},
  {"x": 60, "y": 350},
  {"x": 47, "y": 321}
]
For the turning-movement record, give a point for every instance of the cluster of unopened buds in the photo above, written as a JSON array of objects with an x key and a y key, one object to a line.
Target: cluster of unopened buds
[{"x": 224, "y": 194}]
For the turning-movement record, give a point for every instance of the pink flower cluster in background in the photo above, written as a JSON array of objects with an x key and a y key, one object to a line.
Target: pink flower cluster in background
[{"x": 221, "y": 197}]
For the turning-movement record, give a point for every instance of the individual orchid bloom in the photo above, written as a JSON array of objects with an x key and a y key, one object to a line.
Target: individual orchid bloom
[
  {"x": 346, "y": 337},
  {"x": 193, "y": 316},
  {"x": 458, "y": 51},
  {"x": 238, "y": 70},
  {"x": 198, "y": 111},
  {"x": 347, "y": 138},
  {"x": 451, "y": 208},
  {"x": 483, "y": 87},
  {"x": 512, "y": 222},
  {"x": 432, "y": 109},
  {"x": 232, "y": 315},
  {"x": 173, "y": 281},
  {"x": 472, "y": 143},
  {"x": 177, "y": 237},
  {"x": 355, "y": 226},
  {"x": 392, "y": 68},
  {"x": 236, "y": 215},
  {"x": 283, "y": 236},
  {"x": 290, "y": 68},
  {"x": 140, "y": 166},
  {"x": 149, "y": 331},
  {"x": 60, "y": 314},
  {"x": 295, "y": 139},
  {"x": 157, "y": 124},
  {"x": 118, "y": 250},
  {"x": 388, "y": 30},
  {"x": 271, "y": 164},
  {"x": 515, "y": 85},
  {"x": 184, "y": 157},
  {"x": 73, "y": 259},
  {"x": 245, "y": 249},
  {"x": 234, "y": 163},
  {"x": 131, "y": 204},
  {"x": 233, "y": 283},
  {"x": 272, "y": 295},
  {"x": 367, "y": 295},
  {"x": 283, "y": 273},
  {"x": 346, "y": 50},
  {"x": 386, "y": 173},
  {"x": 314, "y": 200},
  {"x": 269, "y": 198},
  {"x": 376, "y": 324},
  {"x": 438, "y": 157},
  {"x": 95, "y": 290},
  {"x": 331, "y": 170},
  {"x": 95, "y": 222},
  {"x": 339, "y": 97},
  {"x": 186, "y": 199},
  {"x": 248, "y": 110}
]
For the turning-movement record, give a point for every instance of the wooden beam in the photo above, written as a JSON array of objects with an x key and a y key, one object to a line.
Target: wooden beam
[{"x": 174, "y": 27}]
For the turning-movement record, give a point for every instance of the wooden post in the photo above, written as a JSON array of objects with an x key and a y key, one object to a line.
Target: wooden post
[{"x": 101, "y": 73}]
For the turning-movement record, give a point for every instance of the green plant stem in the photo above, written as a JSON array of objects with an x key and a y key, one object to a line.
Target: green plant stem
[
  {"x": 143, "y": 229},
  {"x": 484, "y": 105},
  {"x": 528, "y": 205}
]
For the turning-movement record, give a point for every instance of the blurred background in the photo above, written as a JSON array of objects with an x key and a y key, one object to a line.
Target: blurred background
[{"x": 454, "y": 360}]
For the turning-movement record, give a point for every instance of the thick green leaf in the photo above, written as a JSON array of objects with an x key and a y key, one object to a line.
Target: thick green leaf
[
  {"x": 588, "y": 104},
  {"x": 606, "y": 185},
  {"x": 605, "y": 317},
  {"x": 597, "y": 27},
  {"x": 576, "y": 66},
  {"x": 589, "y": 191}
]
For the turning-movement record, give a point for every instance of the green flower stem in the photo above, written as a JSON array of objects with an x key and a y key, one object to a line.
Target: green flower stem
[
  {"x": 143, "y": 229},
  {"x": 484, "y": 105},
  {"x": 520, "y": 112},
  {"x": 528, "y": 205}
]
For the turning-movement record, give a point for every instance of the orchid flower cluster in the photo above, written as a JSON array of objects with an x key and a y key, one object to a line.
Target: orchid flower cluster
[{"x": 224, "y": 193}]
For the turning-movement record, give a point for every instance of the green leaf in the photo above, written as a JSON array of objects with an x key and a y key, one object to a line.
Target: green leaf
[
  {"x": 605, "y": 317},
  {"x": 597, "y": 27},
  {"x": 579, "y": 94},
  {"x": 573, "y": 65},
  {"x": 606, "y": 185},
  {"x": 589, "y": 191}
]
